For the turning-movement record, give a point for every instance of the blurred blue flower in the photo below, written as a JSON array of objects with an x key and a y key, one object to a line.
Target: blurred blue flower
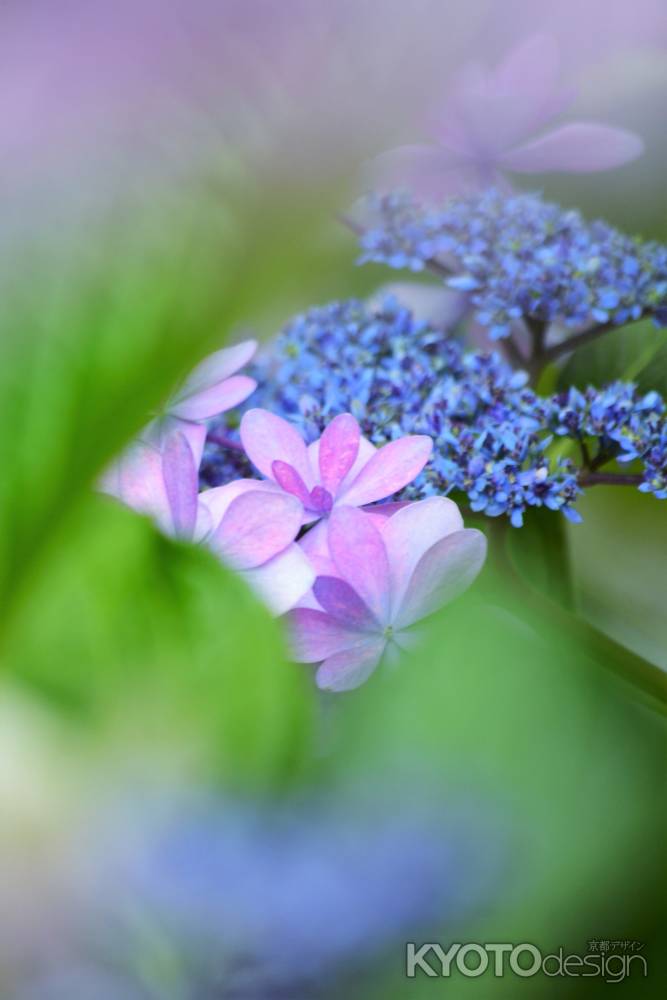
[{"x": 194, "y": 895}]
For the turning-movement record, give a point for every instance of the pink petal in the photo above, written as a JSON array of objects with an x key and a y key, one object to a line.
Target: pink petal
[
  {"x": 343, "y": 603},
  {"x": 161, "y": 429},
  {"x": 534, "y": 64},
  {"x": 268, "y": 438},
  {"x": 443, "y": 572},
  {"x": 315, "y": 543},
  {"x": 140, "y": 484},
  {"x": 577, "y": 148},
  {"x": 387, "y": 509},
  {"x": 339, "y": 447},
  {"x": 487, "y": 112},
  {"x": 315, "y": 635},
  {"x": 389, "y": 470},
  {"x": 282, "y": 581},
  {"x": 359, "y": 554},
  {"x": 410, "y": 532},
  {"x": 218, "y": 499},
  {"x": 212, "y": 401},
  {"x": 315, "y": 547},
  {"x": 195, "y": 435},
  {"x": 181, "y": 484},
  {"x": 348, "y": 669},
  {"x": 366, "y": 452},
  {"x": 256, "y": 527},
  {"x": 532, "y": 70},
  {"x": 216, "y": 368},
  {"x": 289, "y": 480}
]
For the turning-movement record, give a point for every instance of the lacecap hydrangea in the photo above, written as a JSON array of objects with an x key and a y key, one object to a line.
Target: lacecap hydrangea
[
  {"x": 520, "y": 257},
  {"x": 494, "y": 436}
]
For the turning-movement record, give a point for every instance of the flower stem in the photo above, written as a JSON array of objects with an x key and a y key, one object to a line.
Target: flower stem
[
  {"x": 646, "y": 679},
  {"x": 587, "y": 478}
]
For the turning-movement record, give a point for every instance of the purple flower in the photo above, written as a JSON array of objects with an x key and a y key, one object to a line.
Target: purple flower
[
  {"x": 249, "y": 526},
  {"x": 341, "y": 467},
  {"x": 211, "y": 389},
  {"x": 377, "y": 577},
  {"x": 488, "y": 124}
]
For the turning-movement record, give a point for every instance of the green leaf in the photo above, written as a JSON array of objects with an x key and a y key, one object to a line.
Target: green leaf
[
  {"x": 528, "y": 747},
  {"x": 156, "y": 646},
  {"x": 633, "y": 353},
  {"x": 101, "y": 316}
]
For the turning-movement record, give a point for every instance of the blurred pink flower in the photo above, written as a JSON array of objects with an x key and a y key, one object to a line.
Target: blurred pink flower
[
  {"x": 341, "y": 467},
  {"x": 211, "y": 389},
  {"x": 487, "y": 126},
  {"x": 251, "y": 528},
  {"x": 377, "y": 577}
]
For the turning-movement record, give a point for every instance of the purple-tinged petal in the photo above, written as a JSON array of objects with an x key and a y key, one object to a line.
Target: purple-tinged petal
[
  {"x": 181, "y": 484},
  {"x": 162, "y": 428},
  {"x": 289, "y": 480},
  {"x": 195, "y": 435},
  {"x": 343, "y": 603},
  {"x": 489, "y": 111},
  {"x": 140, "y": 484},
  {"x": 533, "y": 64},
  {"x": 315, "y": 635},
  {"x": 410, "y": 533},
  {"x": 218, "y": 499},
  {"x": 443, "y": 572},
  {"x": 389, "y": 470},
  {"x": 387, "y": 509},
  {"x": 532, "y": 72},
  {"x": 339, "y": 447},
  {"x": 577, "y": 148},
  {"x": 282, "y": 581},
  {"x": 350, "y": 668},
  {"x": 267, "y": 438},
  {"x": 364, "y": 455},
  {"x": 320, "y": 500},
  {"x": 357, "y": 549},
  {"x": 315, "y": 546},
  {"x": 216, "y": 368},
  {"x": 214, "y": 400},
  {"x": 256, "y": 526}
]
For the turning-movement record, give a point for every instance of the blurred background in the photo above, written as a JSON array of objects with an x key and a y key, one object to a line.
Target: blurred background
[{"x": 181, "y": 814}]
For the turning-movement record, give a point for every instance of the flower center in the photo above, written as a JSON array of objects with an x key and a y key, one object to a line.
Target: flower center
[{"x": 319, "y": 501}]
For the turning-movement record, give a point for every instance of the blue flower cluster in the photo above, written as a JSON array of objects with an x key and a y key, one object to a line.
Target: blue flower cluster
[
  {"x": 494, "y": 436},
  {"x": 626, "y": 426},
  {"x": 520, "y": 257}
]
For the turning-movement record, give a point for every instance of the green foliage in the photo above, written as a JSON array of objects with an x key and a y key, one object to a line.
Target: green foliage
[
  {"x": 634, "y": 353},
  {"x": 117, "y": 626},
  {"x": 156, "y": 646},
  {"x": 518, "y": 729}
]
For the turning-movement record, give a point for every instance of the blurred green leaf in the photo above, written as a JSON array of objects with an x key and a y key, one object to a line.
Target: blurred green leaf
[
  {"x": 634, "y": 353},
  {"x": 102, "y": 314},
  {"x": 158, "y": 646},
  {"x": 508, "y": 720}
]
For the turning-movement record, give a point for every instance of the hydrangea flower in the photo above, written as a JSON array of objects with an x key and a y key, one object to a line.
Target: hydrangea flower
[
  {"x": 492, "y": 433},
  {"x": 212, "y": 388},
  {"x": 250, "y": 528},
  {"x": 274, "y": 899},
  {"x": 488, "y": 123},
  {"x": 385, "y": 574},
  {"x": 341, "y": 467},
  {"x": 520, "y": 258}
]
